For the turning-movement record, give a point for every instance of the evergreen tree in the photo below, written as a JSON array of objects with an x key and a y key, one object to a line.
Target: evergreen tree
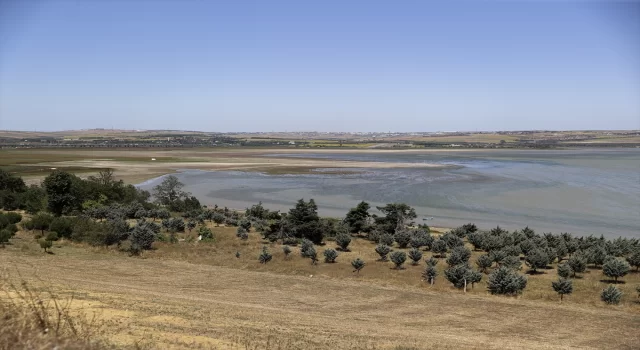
[
  {"x": 511, "y": 262},
  {"x": 403, "y": 238},
  {"x": 484, "y": 262},
  {"x": 265, "y": 256},
  {"x": 578, "y": 264},
  {"x": 398, "y": 258},
  {"x": 615, "y": 268},
  {"x": 343, "y": 240},
  {"x": 357, "y": 217},
  {"x": 506, "y": 281},
  {"x": 286, "y": 250},
  {"x": 459, "y": 255},
  {"x": 611, "y": 295},
  {"x": 562, "y": 286},
  {"x": 537, "y": 259},
  {"x": 439, "y": 247},
  {"x": 634, "y": 258},
  {"x": 430, "y": 273},
  {"x": 432, "y": 261},
  {"x": 564, "y": 270},
  {"x": 415, "y": 255},
  {"x": 383, "y": 250}
]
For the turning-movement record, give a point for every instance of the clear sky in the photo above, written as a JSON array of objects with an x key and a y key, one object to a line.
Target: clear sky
[{"x": 217, "y": 65}]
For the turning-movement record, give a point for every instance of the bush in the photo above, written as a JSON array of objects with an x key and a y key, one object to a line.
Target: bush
[
  {"x": 537, "y": 259},
  {"x": 615, "y": 268},
  {"x": 439, "y": 247},
  {"x": 5, "y": 235},
  {"x": 484, "y": 262},
  {"x": 597, "y": 255},
  {"x": 452, "y": 240},
  {"x": 286, "y": 250},
  {"x": 430, "y": 273},
  {"x": 459, "y": 255},
  {"x": 45, "y": 244},
  {"x": 265, "y": 256},
  {"x": 578, "y": 264},
  {"x": 415, "y": 255},
  {"x": 191, "y": 224},
  {"x": 330, "y": 255},
  {"x": 205, "y": 233},
  {"x": 245, "y": 224},
  {"x": 357, "y": 264},
  {"x": 305, "y": 245},
  {"x": 432, "y": 261},
  {"x": 611, "y": 295},
  {"x": 311, "y": 253},
  {"x": 476, "y": 239},
  {"x": 564, "y": 270},
  {"x": 63, "y": 226},
  {"x": 386, "y": 239},
  {"x": 41, "y": 222},
  {"x": 52, "y": 236},
  {"x": 142, "y": 238},
  {"x": 383, "y": 250},
  {"x": 506, "y": 281},
  {"x": 403, "y": 238},
  {"x": 244, "y": 235},
  {"x": 13, "y": 217},
  {"x": 343, "y": 240},
  {"x": 240, "y": 231},
  {"x": 562, "y": 286},
  {"x": 174, "y": 224},
  {"x": 398, "y": 258}
]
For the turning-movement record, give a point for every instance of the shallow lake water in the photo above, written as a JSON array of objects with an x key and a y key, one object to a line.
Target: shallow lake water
[{"x": 586, "y": 191}]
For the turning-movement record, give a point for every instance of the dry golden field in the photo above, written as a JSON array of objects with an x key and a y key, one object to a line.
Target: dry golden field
[{"x": 199, "y": 295}]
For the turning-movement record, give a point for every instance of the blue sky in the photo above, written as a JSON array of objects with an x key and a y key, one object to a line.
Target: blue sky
[{"x": 319, "y": 65}]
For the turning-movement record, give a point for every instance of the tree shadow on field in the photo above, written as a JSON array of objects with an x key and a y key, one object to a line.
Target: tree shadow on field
[
  {"x": 50, "y": 252},
  {"x": 612, "y": 281},
  {"x": 533, "y": 273}
]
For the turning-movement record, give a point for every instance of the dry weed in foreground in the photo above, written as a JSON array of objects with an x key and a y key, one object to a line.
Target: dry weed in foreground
[{"x": 33, "y": 319}]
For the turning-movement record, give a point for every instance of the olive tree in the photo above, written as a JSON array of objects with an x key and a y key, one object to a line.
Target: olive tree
[
  {"x": 357, "y": 264},
  {"x": 403, "y": 238},
  {"x": 536, "y": 259},
  {"x": 564, "y": 270},
  {"x": 484, "y": 262},
  {"x": 429, "y": 274},
  {"x": 343, "y": 240},
  {"x": 578, "y": 264},
  {"x": 439, "y": 247},
  {"x": 459, "y": 255}
]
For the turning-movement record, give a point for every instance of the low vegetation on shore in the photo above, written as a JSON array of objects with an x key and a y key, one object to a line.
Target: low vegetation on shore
[{"x": 390, "y": 248}]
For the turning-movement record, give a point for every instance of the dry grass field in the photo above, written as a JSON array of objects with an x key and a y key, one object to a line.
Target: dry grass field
[{"x": 199, "y": 295}]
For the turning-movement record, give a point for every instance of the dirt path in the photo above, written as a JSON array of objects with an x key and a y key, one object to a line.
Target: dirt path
[{"x": 181, "y": 305}]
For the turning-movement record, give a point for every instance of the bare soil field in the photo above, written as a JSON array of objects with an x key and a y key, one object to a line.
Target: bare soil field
[{"x": 199, "y": 295}]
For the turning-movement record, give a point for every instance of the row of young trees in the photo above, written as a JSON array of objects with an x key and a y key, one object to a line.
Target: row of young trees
[{"x": 101, "y": 207}]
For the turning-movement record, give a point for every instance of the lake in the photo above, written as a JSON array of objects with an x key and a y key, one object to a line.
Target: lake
[{"x": 585, "y": 191}]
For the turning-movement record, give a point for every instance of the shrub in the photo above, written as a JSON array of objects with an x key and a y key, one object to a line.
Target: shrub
[
  {"x": 459, "y": 255},
  {"x": 597, "y": 256},
  {"x": 383, "y": 250},
  {"x": 5, "y": 235},
  {"x": 265, "y": 256},
  {"x": 245, "y": 224},
  {"x": 357, "y": 264},
  {"x": 415, "y": 255},
  {"x": 615, "y": 268},
  {"x": 506, "y": 281},
  {"x": 330, "y": 255},
  {"x": 305, "y": 245},
  {"x": 562, "y": 286},
  {"x": 142, "y": 238},
  {"x": 484, "y": 262},
  {"x": 564, "y": 270},
  {"x": 439, "y": 247},
  {"x": 45, "y": 244},
  {"x": 343, "y": 240},
  {"x": 52, "y": 236},
  {"x": 473, "y": 277},
  {"x": 286, "y": 250},
  {"x": 240, "y": 231},
  {"x": 429, "y": 274},
  {"x": 13, "y": 217},
  {"x": 191, "y": 224},
  {"x": 578, "y": 264},
  {"x": 421, "y": 239},
  {"x": 511, "y": 262},
  {"x": 63, "y": 226},
  {"x": 174, "y": 224},
  {"x": 311, "y": 253},
  {"x": 403, "y": 238},
  {"x": 41, "y": 222},
  {"x": 611, "y": 295},
  {"x": 537, "y": 259},
  {"x": 244, "y": 235},
  {"x": 398, "y": 258},
  {"x": 205, "y": 233},
  {"x": 498, "y": 256},
  {"x": 386, "y": 239}
]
